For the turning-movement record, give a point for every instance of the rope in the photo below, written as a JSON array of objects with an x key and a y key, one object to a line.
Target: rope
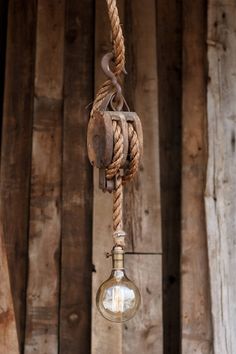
[
  {"x": 114, "y": 169},
  {"x": 115, "y": 165},
  {"x": 118, "y": 50},
  {"x": 117, "y": 204},
  {"x": 117, "y": 37},
  {"x": 134, "y": 154}
]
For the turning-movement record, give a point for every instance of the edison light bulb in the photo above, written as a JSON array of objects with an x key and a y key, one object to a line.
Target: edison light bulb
[{"x": 118, "y": 298}]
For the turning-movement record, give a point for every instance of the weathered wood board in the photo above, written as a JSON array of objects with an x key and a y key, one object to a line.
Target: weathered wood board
[
  {"x": 45, "y": 200},
  {"x": 169, "y": 53},
  {"x": 77, "y": 198},
  {"x": 16, "y": 148},
  {"x": 142, "y": 197},
  {"x": 8, "y": 333},
  {"x": 220, "y": 196},
  {"x": 3, "y": 40},
  {"x": 143, "y": 333},
  {"x": 47, "y": 89},
  {"x": 195, "y": 305}
]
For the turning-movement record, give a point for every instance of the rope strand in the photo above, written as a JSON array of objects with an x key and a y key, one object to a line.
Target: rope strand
[
  {"x": 134, "y": 154},
  {"x": 117, "y": 37},
  {"x": 115, "y": 165}
]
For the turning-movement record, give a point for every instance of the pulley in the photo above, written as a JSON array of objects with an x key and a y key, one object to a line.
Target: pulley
[{"x": 100, "y": 135}]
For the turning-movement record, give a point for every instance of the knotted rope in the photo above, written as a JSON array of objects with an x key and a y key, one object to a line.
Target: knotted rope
[{"x": 114, "y": 170}]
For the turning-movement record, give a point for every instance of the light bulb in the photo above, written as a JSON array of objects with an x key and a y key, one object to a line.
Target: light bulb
[{"x": 118, "y": 298}]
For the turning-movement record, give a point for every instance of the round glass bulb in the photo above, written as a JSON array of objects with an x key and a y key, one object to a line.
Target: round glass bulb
[{"x": 118, "y": 298}]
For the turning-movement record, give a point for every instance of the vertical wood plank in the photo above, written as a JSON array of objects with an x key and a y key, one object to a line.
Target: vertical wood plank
[
  {"x": 76, "y": 267},
  {"x": 220, "y": 198},
  {"x": 3, "y": 39},
  {"x": 169, "y": 52},
  {"x": 195, "y": 304},
  {"x": 16, "y": 148},
  {"x": 142, "y": 197},
  {"x": 105, "y": 335},
  {"x": 45, "y": 209},
  {"x": 143, "y": 333},
  {"x": 8, "y": 332}
]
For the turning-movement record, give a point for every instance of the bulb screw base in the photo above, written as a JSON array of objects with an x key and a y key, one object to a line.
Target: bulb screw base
[{"x": 117, "y": 257}]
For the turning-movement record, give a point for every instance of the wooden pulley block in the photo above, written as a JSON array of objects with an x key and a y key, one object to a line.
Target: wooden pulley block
[
  {"x": 100, "y": 141},
  {"x": 100, "y": 136}
]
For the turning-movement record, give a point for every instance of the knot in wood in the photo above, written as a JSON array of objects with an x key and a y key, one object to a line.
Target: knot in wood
[{"x": 73, "y": 317}]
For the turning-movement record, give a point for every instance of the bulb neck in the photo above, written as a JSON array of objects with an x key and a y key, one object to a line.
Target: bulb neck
[{"x": 118, "y": 258}]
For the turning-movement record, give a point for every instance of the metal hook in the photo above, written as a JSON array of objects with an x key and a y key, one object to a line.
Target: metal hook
[{"x": 105, "y": 63}]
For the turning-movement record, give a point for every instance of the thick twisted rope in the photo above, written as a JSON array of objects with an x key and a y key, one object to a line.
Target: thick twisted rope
[
  {"x": 118, "y": 51},
  {"x": 134, "y": 154},
  {"x": 117, "y": 37},
  {"x": 118, "y": 202},
  {"x": 114, "y": 169},
  {"x": 113, "y": 172},
  {"x": 118, "y": 153}
]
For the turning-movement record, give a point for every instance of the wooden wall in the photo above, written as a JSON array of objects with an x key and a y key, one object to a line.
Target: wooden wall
[
  {"x": 52, "y": 70},
  {"x": 46, "y": 179},
  {"x": 220, "y": 195},
  {"x": 55, "y": 224},
  {"x": 195, "y": 295},
  {"x": 169, "y": 56}
]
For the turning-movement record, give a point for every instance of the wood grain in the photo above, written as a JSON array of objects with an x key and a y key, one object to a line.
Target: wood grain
[
  {"x": 169, "y": 53},
  {"x": 45, "y": 207},
  {"x": 8, "y": 333},
  {"x": 76, "y": 266},
  {"x": 220, "y": 196},
  {"x": 16, "y": 148},
  {"x": 3, "y": 40},
  {"x": 143, "y": 333},
  {"x": 142, "y": 207},
  {"x": 196, "y": 333},
  {"x": 142, "y": 197}
]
